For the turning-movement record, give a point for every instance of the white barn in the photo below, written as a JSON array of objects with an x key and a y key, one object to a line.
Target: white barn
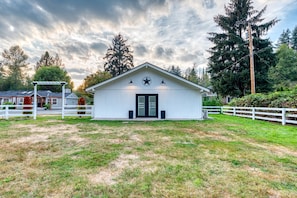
[{"x": 147, "y": 92}]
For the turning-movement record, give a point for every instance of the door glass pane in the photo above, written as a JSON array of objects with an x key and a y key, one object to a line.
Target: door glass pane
[
  {"x": 141, "y": 105},
  {"x": 152, "y": 106}
]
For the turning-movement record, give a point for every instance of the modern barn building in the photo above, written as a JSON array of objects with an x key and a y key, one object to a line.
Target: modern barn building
[{"x": 147, "y": 92}]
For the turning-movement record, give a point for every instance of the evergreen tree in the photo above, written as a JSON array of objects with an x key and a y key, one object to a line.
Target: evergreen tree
[
  {"x": 174, "y": 70},
  {"x": 294, "y": 39},
  {"x": 14, "y": 68},
  {"x": 204, "y": 79},
  {"x": 285, "y": 38},
  {"x": 48, "y": 60},
  {"x": 191, "y": 75},
  {"x": 119, "y": 58},
  {"x": 284, "y": 74},
  {"x": 229, "y": 60}
]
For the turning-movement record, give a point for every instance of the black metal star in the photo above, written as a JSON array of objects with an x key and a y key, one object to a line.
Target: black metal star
[{"x": 146, "y": 81}]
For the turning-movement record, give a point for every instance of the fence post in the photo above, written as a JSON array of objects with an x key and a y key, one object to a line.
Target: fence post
[
  {"x": 93, "y": 109},
  {"x": 6, "y": 112},
  {"x": 234, "y": 111},
  {"x": 283, "y": 116},
  {"x": 253, "y": 113}
]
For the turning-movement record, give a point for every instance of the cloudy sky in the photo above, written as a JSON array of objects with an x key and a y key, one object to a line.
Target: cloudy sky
[{"x": 163, "y": 32}]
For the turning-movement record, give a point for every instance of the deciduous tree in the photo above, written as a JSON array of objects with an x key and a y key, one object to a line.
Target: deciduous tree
[
  {"x": 52, "y": 73},
  {"x": 93, "y": 79},
  {"x": 14, "y": 66}
]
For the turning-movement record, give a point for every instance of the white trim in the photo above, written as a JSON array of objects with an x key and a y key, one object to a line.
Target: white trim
[{"x": 49, "y": 82}]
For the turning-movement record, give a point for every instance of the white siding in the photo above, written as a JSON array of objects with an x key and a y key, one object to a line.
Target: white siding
[{"x": 178, "y": 99}]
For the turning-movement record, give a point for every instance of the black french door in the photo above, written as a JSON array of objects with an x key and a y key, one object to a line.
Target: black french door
[{"x": 147, "y": 105}]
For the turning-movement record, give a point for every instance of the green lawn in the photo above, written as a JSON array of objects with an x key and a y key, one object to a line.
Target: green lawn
[{"x": 222, "y": 157}]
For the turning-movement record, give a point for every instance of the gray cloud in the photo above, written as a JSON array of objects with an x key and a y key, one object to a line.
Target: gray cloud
[
  {"x": 27, "y": 11},
  {"x": 140, "y": 50},
  {"x": 99, "y": 47},
  {"x": 73, "y": 48},
  {"x": 112, "y": 10},
  {"x": 164, "y": 53},
  {"x": 209, "y": 4}
]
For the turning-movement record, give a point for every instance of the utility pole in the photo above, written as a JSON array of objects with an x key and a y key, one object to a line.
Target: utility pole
[{"x": 252, "y": 72}]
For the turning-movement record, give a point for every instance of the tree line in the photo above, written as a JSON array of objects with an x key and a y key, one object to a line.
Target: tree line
[
  {"x": 229, "y": 61},
  {"x": 14, "y": 71},
  {"x": 228, "y": 65}
]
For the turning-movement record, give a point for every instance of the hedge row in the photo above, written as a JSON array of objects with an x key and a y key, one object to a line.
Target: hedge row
[{"x": 284, "y": 99}]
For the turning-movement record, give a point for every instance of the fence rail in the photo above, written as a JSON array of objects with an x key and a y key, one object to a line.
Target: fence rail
[
  {"x": 78, "y": 110},
  {"x": 282, "y": 115},
  {"x": 7, "y": 111}
]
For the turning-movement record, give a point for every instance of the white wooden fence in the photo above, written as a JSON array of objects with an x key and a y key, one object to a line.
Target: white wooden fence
[
  {"x": 282, "y": 115},
  {"x": 7, "y": 111},
  {"x": 78, "y": 110}
]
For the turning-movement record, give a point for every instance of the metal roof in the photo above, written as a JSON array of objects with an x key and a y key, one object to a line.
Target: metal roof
[{"x": 40, "y": 93}]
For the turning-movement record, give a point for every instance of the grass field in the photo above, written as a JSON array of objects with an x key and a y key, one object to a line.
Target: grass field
[{"x": 222, "y": 157}]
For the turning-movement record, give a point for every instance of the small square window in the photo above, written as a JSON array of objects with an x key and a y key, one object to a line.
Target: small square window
[{"x": 54, "y": 100}]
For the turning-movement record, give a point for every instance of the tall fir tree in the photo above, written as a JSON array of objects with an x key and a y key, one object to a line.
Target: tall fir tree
[
  {"x": 48, "y": 60},
  {"x": 174, "y": 70},
  {"x": 119, "y": 58},
  {"x": 294, "y": 39},
  {"x": 285, "y": 38},
  {"x": 191, "y": 74},
  {"x": 229, "y": 60},
  {"x": 284, "y": 74}
]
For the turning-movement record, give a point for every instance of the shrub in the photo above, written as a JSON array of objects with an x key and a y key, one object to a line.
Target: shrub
[
  {"x": 27, "y": 101},
  {"x": 9, "y": 103},
  {"x": 281, "y": 99},
  {"x": 212, "y": 102},
  {"x": 47, "y": 106},
  {"x": 81, "y": 101}
]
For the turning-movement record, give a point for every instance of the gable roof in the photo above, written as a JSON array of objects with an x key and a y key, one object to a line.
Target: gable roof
[
  {"x": 40, "y": 93},
  {"x": 147, "y": 65}
]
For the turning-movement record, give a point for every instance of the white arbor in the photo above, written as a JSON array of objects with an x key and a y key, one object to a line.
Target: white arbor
[{"x": 35, "y": 83}]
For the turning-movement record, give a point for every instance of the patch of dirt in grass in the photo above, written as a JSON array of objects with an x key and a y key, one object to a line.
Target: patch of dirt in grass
[
  {"x": 276, "y": 149},
  {"x": 42, "y": 134},
  {"x": 54, "y": 121},
  {"x": 115, "y": 141},
  {"x": 265, "y": 175},
  {"x": 78, "y": 140},
  {"x": 136, "y": 138},
  {"x": 23, "y": 127},
  {"x": 108, "y": 175},
  {"x": 212, "y": 135},
  {"x": 31, "y": 139},
  {"x": 52, "y": 129},
  {"x": 280, "y": 150}
]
